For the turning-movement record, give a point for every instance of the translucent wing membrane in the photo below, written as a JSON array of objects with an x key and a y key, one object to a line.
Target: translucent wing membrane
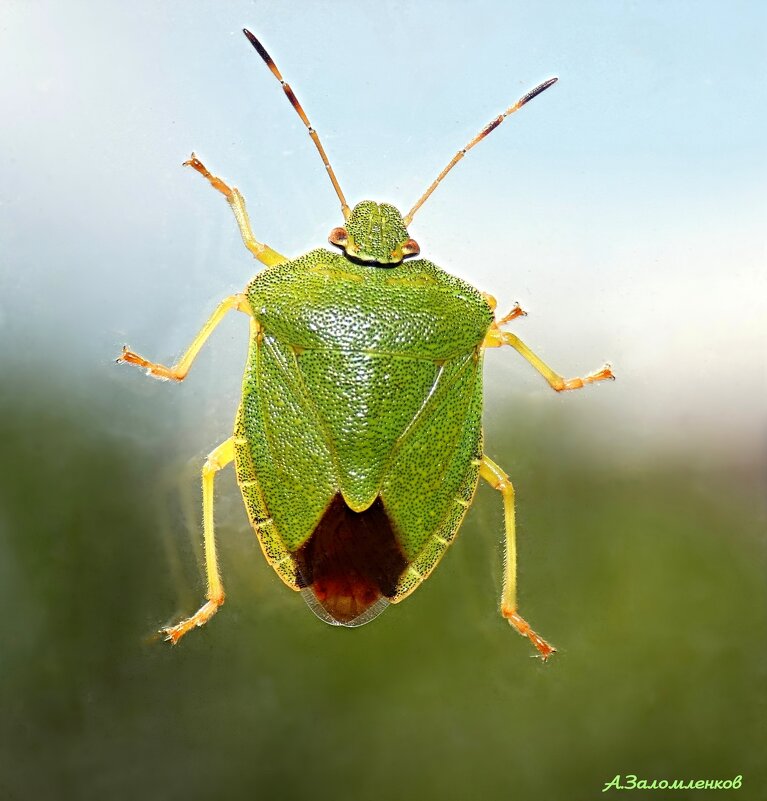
[
  {"x": 351, "y": 564},
  {"x": 371, "y": 613}
]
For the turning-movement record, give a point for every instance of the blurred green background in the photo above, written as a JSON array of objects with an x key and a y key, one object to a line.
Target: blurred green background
[
  {"x": 624, "y": 209},
  {"x": 649, "y": 579}
]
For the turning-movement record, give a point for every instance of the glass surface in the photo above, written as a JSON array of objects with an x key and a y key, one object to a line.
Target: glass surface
[{"x": 624, "y": 208}]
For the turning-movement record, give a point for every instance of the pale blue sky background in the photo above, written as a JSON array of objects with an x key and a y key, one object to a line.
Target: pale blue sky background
[{"x": 625, "y": 207}]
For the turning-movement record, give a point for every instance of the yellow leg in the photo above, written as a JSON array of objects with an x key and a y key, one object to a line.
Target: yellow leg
[
  {"x": 218, "y": 459},
  {"x": 261, "y": 251},
  {"x": 181, "y": 368},
  {"x": 500, "y": 481},
  {"x": 495, "y": 338}
]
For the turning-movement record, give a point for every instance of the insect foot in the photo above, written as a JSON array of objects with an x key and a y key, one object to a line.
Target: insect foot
[
  {"x": 523, "y": 627},
  {"x": 158, "y": 371},
  {"x": 174, "y": 633},
  {"x": 517, "y": 311},
  {"x": 604, "y": 374}
]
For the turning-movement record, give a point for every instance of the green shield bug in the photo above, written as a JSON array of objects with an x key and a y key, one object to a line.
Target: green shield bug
[{"x": 358, "y": 440}]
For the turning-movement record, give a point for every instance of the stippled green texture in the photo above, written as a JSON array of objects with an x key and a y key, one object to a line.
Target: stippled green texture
[
  {"x": 365, "y": 381},
  {"x": 376, "y": 232}
]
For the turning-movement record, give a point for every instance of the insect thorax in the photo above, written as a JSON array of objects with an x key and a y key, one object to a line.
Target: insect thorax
[{"x": 323, "y": 300}]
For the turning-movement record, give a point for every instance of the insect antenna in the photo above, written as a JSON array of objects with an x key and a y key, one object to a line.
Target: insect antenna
[
  {"x": 302, "y": 114},
  {"x": 491, "y": 126}
]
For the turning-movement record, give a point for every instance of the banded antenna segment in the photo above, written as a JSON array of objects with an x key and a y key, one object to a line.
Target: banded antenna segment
[
  {"x": 491, "y": 126},
  {"x": 261, "y": 50}
]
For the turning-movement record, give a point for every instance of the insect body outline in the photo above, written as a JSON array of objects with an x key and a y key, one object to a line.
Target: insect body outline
[{"x": 358, "y": 442}]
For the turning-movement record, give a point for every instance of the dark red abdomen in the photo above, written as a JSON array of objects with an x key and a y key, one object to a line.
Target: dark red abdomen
[{"x": 351, "y": 563}]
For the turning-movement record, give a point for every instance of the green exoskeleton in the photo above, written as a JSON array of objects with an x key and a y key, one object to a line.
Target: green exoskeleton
[{"x": 358, "y": 441}]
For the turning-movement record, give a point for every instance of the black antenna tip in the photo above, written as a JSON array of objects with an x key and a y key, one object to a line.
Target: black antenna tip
[
  {"x": 538, "y": 89},
  {"x": 252, "y": 39},
  {"x": 261, "y": 51}
]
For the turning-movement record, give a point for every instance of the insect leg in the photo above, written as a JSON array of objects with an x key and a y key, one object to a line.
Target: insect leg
[
  {"x": 261, "y": 251},
  {"x": 495, "y": 338},
  {"x": 516, "y": 311},
  {"x": 500, "y": 481},
  {"x": 179, "y": 370},
  {"x": 218, "y": 459}
]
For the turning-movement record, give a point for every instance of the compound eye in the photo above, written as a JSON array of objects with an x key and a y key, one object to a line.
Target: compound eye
[
  {"x": 411, "y": 248},
  {"x": 339, "y": 237}
]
